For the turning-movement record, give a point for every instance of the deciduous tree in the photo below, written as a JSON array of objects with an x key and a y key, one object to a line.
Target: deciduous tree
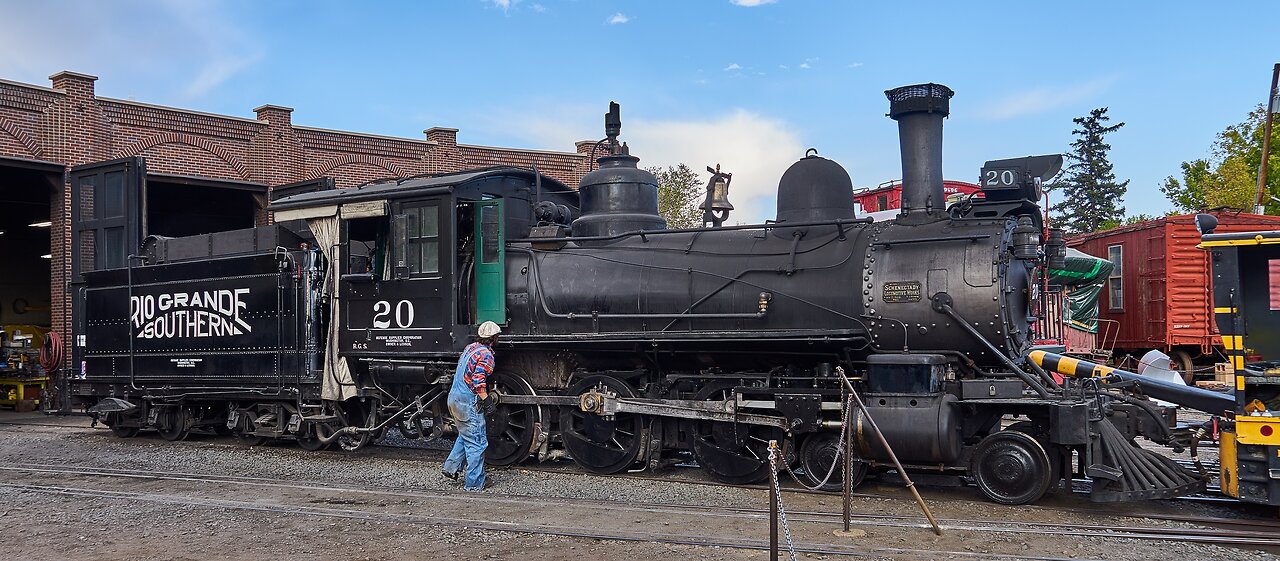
[
  {"x": 1229, "y": 177},
  {"x": 680, "y": 194}
]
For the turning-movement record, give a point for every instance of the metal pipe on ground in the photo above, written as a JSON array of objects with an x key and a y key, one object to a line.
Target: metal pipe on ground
[{"x": 911, "y": 486}]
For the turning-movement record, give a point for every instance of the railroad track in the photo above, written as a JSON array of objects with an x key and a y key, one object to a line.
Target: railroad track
[
  {"x": 1265, "y": 537},
  {"x": 471, "y": 522},
  {"x": 567, "y": 467}
]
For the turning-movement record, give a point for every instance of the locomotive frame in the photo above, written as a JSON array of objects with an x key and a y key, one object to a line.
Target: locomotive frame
[{"x": 627, "y": 344}]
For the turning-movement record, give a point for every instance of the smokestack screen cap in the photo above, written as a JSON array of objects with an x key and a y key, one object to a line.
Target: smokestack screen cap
[
  {"x": 488, "y": 329},
  {"x": 931, "y": 98}
]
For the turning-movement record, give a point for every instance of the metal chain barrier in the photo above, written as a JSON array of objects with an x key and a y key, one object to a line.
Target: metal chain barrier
[
  {"x": 777, "y": 492},
  {"x": 844, "y": 433}
]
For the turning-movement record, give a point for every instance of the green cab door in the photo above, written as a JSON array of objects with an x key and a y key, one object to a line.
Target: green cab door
[{"x": 491, "y": 279}]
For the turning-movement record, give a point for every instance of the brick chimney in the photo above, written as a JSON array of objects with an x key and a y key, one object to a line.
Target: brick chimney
[{"x": 444, "y": 157}]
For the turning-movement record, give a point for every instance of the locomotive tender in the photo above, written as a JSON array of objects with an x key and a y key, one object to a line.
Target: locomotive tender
[{"x": 627, "y": 344}]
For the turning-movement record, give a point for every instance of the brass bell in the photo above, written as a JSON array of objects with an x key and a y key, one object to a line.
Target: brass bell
[
  {"x": 718, "y": 195},
  {"x": 716, "y": 206}
]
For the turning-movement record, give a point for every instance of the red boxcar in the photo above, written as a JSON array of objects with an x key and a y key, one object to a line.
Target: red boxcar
[
  {"x": 1160, "y": 292},
  {"x": 888, "y": 196}
]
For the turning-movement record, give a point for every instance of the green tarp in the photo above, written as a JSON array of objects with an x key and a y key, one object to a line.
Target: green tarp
[{"x": 1082, "y": 279}]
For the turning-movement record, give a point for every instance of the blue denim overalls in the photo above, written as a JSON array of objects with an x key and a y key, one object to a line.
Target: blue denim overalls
[{"x": 472, "y": 439}]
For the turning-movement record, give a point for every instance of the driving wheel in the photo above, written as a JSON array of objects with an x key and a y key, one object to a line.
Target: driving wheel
[
  {"x": 735, "y": 453},
  {"x": 599, "y": 444},
  {"x": 512, "y": 430}
]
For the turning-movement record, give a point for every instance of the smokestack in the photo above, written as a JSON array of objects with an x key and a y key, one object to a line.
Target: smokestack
[{"x": 919, "y": 111}]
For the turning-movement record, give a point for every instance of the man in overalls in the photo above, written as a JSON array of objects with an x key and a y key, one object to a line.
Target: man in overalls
[{"x": 469, "y": 401}]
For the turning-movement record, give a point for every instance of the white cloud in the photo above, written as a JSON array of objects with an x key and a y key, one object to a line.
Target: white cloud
[
  {"x": 783, "y": 66},
  {"x": 538, "y": 8},
  {"x": 1038, "y": 100},
  {"x": 503, "y": 5},
  {"x": 855, "y": 64},
  {"x": 201, "y": 47},
  {"x": 732, "y": 66},
  {"x": 218, "y": 71},
  {"x": 751, "y": 3},
  {"x": 618, "y": 18},
  {"x": 757, "y": 149},
  {"x": 804, "y": 65}
]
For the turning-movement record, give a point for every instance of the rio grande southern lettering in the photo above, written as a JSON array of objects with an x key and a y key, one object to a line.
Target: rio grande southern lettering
[{"x": 211, "y": 313}]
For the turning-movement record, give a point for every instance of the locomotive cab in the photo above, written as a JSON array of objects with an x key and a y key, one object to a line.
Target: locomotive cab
[{"x": 421, "y": 262}]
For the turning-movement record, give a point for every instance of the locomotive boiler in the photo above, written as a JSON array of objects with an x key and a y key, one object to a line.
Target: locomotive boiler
[{"x": 631, "y": 345}]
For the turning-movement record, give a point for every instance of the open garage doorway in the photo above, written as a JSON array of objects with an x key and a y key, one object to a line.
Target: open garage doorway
[{"x": 27, "y": 189}]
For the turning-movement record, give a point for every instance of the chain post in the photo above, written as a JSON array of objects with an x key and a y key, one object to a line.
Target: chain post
[
  {"x": 778, "y": 511},
  {"x": 848, "y": 464},
  {"x": 773, "y": 504}
]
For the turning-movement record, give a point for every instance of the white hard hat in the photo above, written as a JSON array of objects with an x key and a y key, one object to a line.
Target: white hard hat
[{"x": 488, "y": 329}]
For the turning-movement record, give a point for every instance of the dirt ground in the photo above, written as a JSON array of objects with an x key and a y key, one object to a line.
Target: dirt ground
[{"x": 269, "y": 502}]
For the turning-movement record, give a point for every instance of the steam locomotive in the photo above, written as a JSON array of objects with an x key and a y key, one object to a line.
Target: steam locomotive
[{"x": 627, "y": 344}]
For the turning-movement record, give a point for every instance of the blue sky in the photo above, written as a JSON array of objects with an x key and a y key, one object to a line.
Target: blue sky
[{"x": 745, "y": 83}]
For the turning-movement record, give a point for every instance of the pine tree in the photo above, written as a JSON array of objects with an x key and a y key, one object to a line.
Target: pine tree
[{"x": 1090, "y": 194}]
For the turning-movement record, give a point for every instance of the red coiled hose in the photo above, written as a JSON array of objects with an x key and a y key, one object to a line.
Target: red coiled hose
[{"x": 51, "y": 352}]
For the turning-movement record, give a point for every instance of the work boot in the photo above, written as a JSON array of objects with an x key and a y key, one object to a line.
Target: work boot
[
  {"x": 451, "y": 475},
  {"x": 488, "y": 482}
]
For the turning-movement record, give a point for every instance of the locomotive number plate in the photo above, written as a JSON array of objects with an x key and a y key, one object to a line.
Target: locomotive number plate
[{"x": 897, "y": 292}]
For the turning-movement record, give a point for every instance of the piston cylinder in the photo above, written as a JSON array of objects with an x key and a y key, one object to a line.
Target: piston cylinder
[{"x": 920, "y": 428}]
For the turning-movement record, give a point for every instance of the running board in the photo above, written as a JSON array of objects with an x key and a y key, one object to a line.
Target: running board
[{"x": 1123, "y": 471}]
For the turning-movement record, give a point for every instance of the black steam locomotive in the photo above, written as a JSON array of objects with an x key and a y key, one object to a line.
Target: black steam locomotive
[{"x": 627, "y": 344}]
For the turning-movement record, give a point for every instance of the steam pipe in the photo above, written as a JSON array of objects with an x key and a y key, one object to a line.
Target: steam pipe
[
  {"x": 942, "y": 303},
  {"x": 1210, "y": 402}
]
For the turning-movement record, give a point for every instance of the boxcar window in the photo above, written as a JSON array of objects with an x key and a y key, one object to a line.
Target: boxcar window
[
  {"x": 423, "y": 239},
  {"x": 1115, "y": 282}
]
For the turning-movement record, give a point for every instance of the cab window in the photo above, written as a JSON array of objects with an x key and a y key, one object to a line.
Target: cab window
[
  {"x": 422, "y": 239},
  {"x": 366, "y": 246}
]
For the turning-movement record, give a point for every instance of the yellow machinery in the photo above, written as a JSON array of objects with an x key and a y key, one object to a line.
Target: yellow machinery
[
  {"x": 21, "y": 377},
  {"x": 1246, "y": 300}
]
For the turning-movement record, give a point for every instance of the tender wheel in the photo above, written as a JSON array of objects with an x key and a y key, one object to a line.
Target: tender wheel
[
  {"x": 597, "y": 444},
  {"x": 251, "y": 439},
  {"x": 115, "y": 420},
  {"x": 512, "y": 429},
  {"x": 308, "y": 440},
  {"x": 818, "y": 453},
  {"x": 1011, "y": 468},
  {"x": 247, "y": 425},
  {"x": 174, "y": 423},
  {"x": 732, "y": 452}
]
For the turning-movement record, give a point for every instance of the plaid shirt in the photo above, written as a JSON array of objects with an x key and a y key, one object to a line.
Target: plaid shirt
[{"x": 479, "y": 366}]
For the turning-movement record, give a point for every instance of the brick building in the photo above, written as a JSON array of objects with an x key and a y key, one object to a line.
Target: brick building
[{"x": 204, "y": 173}]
